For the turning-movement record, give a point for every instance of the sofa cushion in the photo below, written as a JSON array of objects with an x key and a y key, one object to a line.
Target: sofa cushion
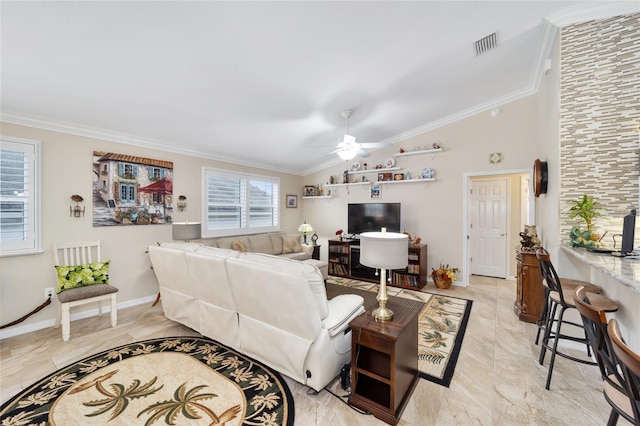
[
  {"x": 261, "y": 243},
  {"x": 226, "y": 242},
  {"x": 181, "y": 246},
  {"x": 291, "y": 244},
  {"x": 309, "y": 271},
  {"x": 295, "y": 256},
  {"x": 214, "y": 251},
  {"x": 82, "y": 275},
  {"x": 238, "y": 245},
  {"x": 276, "y": 242}
]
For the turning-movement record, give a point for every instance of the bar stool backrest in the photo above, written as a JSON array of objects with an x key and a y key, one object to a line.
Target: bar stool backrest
[
  {"x": 549, "y": 274},
  {"x": 630, "y": 366},
  {"x": 595, "y": 325}
]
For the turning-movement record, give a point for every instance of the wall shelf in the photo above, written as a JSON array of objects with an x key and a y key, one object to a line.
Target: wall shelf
[
  {"x": 310, "y": 197},
  {"x": 337, "y": 185},
  {"x": 424, "y": 151},
  {"x": 388, "y": 169},
  {"x": 384, "y": 182}
]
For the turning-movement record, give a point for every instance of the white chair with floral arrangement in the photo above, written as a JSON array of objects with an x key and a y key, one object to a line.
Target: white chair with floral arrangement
[{"x": 82, "y": 278}]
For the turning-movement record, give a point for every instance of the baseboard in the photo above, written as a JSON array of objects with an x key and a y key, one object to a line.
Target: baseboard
[{"x": 24, "y": 329}]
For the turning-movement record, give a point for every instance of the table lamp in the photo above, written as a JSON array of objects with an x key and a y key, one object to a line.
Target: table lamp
[
  {"x": 185, "y": 231},
  {"x": 383, "y": 250},
  {"x": 305, "y": 228}
]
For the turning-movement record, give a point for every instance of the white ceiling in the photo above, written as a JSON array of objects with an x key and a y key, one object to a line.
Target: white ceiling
[{"x": 263, "y": 83}]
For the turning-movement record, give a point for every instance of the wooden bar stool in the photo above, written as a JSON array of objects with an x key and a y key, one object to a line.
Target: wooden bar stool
[
  {"x": 558, "y": 299},
  {"x": 568, "y": 287},
  {"x": 629, "y": 363},
  {"x": 595, "y": 325}
]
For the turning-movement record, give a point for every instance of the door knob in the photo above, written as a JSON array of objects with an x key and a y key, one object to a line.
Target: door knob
[{"x": 502, "y": 235}]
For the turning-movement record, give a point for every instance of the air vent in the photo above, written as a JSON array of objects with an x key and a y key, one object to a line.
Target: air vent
[{"x": 487, "y": 43}]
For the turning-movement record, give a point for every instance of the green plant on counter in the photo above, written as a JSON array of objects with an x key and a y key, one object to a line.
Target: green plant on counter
[{"x": 587, "y": 209}]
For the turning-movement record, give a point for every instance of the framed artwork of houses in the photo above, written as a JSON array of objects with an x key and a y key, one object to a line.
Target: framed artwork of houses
[{"x": 131, "y": 190}]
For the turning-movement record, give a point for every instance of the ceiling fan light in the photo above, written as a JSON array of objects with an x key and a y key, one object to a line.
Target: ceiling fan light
[
  {"x": 347, "y": 154},
  {"x": 349, "y": 139}
]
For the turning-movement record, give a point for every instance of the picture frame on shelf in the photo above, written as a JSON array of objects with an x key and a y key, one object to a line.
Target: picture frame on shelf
[
  {"x": 292, "y": 201},
  {"x": 384, "y": 177},
  {"x": 398, "y": 176},
  {"x": 309, "y": 191},
  {"x": 375, "y": 191}
]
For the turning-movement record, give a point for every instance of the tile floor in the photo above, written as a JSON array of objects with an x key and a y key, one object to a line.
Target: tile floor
[{"x": 497, "y": 381}]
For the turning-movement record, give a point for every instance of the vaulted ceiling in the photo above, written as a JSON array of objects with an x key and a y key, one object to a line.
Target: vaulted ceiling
[{"x": 263, "y": 83}]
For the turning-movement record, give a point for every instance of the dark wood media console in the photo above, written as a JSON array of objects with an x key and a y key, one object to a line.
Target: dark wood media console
[{"x": 344, "y": 261}]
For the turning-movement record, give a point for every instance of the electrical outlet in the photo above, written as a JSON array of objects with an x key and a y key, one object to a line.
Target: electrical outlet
[{"x": 48, "y": 293}]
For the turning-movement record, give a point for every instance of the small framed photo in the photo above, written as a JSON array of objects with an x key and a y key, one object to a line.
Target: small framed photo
[
  {"x": 292, "y": 201},
  {"x": 375, "y": 191},
  {"x": 309, "y": 191},
  {"x": 398, "y": 176},
  {"x": 384, "y": 177}
]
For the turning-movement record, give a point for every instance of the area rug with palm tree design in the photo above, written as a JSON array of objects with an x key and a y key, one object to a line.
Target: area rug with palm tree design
[
  {"x": 173, "y": 381},
  {"x": 441, "y": 324}
]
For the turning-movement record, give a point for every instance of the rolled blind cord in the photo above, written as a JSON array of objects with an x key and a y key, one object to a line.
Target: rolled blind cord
[{"x": 36, "y": 310}]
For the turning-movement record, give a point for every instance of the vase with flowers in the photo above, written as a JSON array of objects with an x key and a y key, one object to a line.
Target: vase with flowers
[
  {"x": 339, "y": 233},
  {"x": 444, "y": 276}
]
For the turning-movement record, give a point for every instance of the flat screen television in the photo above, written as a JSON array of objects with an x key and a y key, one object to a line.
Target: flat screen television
[
  {"x": 371, "y": 217},
  {"x": 628, "y": 231}
]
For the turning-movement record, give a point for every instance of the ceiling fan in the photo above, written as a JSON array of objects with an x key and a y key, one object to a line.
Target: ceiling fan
[{"x": 349, "y": 148}]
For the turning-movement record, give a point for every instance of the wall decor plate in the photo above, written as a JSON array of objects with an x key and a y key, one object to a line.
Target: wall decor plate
[
  {"x": 355, "y": 166},
  {"x": 428, "y": 173},
  {"x": 390, "y": 162}
]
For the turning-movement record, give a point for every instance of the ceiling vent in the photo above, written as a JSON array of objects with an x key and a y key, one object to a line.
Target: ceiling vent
[{"x": 487, "y": 43}]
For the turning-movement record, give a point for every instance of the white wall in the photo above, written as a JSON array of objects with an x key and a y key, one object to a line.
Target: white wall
[
  {"x": 67, "y": 170},
  {"x": 433, "y": 211}
]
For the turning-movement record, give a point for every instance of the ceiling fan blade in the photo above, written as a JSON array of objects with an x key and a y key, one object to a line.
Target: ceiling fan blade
[
  {"x": 375, "y": 144},
  {"x": 363, "y": 154}
]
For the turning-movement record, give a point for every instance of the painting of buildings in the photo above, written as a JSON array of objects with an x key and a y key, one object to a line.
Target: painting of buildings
[{"x": 131, "y": 190}]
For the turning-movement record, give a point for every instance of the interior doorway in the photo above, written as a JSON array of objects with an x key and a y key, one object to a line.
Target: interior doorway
[{"x": 503, "y": 204}]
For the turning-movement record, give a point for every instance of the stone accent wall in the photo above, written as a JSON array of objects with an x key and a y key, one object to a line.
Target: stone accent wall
[{"x": 600, "y": 119}]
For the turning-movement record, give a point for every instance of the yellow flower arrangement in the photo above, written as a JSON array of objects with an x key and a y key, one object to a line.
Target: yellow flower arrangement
[{"x": 444, "y": 273}]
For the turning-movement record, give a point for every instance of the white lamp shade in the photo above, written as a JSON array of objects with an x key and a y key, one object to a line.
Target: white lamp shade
[
  {"x": 305, "y": 227},
  {"x": 384, "y": 250},
  {"x": 185, "y": 231}
]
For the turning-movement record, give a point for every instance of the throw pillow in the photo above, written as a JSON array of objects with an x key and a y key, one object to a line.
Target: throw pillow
[
  {"x": 291, "y": 244},
  {"x": 238, "y": 245},
  {"x": 81, "y": 275}
]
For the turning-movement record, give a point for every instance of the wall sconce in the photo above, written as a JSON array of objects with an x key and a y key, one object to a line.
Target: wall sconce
[
  {"x": 182, "y": 202},
  {"x": 76, "y": 211}
]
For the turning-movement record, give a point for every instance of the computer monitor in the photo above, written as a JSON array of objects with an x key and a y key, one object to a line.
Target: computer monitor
[{"x": 628, "y": 233}]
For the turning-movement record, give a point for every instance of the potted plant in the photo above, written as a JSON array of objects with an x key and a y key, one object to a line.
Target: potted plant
[
  {"x": 444, "y": 276},
  {"x": 122, "y": 216},
  {"x": 587, "y": 209},
  {"x": 143, "y": 218}
]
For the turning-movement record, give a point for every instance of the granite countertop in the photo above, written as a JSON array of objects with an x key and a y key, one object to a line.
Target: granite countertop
[{"x": 625, "y": 271}]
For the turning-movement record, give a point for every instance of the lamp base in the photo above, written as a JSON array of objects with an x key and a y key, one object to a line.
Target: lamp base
[{"x": 382, "y": 313}]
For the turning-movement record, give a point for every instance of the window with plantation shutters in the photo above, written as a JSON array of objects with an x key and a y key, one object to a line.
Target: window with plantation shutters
[
  {"x": 238, "y": 203},
  {"x": 19, "y": 196}
]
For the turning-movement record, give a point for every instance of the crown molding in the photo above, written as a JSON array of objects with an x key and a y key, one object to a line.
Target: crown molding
[
  {"x": 593, "y": 11},
  {"x": 103, "y": 134}
]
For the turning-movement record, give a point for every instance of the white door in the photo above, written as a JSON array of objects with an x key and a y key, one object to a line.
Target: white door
[{"x": 488, "y": 227}]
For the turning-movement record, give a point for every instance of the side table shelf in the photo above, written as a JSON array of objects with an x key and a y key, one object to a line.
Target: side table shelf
[{"x": 384, "y": 362}]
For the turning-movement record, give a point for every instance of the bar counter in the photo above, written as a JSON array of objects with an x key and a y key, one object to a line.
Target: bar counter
[{"x": 619, "y": 279}]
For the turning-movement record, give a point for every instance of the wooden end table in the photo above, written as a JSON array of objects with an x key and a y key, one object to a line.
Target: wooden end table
[{"x": 384, "y": 362}]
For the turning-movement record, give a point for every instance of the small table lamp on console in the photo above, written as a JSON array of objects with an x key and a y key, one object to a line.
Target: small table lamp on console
[
  {"x": 383, "y": 250},
  {"x": 305, "y": 228},
  {"x": 185, "y": 231}
]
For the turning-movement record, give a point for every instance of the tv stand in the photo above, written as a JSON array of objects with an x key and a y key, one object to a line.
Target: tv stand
[{"x": 344, "y": 261}]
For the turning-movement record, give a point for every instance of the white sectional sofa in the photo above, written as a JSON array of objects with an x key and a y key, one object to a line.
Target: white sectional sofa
[
  {"x": 271, "y": 308},
  {"x": 274, "y": 243}
]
